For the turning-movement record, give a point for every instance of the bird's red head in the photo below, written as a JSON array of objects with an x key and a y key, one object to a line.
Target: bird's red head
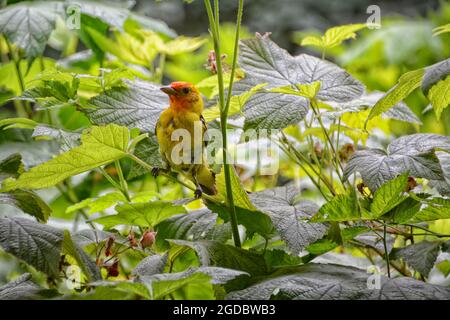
[{"x": 183, "y": 95}]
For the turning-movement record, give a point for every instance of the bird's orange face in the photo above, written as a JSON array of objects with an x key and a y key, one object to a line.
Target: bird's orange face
[{"x": 182, "y": 95}]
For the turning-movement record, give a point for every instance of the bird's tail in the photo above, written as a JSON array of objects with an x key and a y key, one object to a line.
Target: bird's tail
[{"x": 207, "y": 180}]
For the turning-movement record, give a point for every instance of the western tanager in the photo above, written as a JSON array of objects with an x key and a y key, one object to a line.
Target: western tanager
[{"x": 185, "y": 112}]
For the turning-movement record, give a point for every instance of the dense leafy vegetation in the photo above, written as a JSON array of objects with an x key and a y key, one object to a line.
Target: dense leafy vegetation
[{"x": 363, "y": 181}]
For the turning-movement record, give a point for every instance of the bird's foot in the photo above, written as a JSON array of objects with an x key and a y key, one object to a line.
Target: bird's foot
[
  {"x": 156, "y": 171},
  {"x": 198, "y": 193}
]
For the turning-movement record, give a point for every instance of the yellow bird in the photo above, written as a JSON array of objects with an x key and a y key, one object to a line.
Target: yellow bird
[{"x": 185, "y": 112}]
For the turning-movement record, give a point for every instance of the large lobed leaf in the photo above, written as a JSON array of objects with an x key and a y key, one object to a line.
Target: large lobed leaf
[
  {"x": 264, "y": 62},
  {"x": 420, "y": 256},
  {"x": 99, "y": 146},
  {"x": 142, "y": 214},
  {"x": 405, "y": 85},
  {"x": 330, "y": 282},
  {"x": 37, "y": 244},
  {"x": 413, "y": 153},
  {"x": 290, "y": 217},
  {"x": 28, "y": 202},
  {"x": 214, "y": 253},
  {"x": 137, "y": 106},
  {"x": 21, "y": 288},
  {"x": 29, "y": 25}
]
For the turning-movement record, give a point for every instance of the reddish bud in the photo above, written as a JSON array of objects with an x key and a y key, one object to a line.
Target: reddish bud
[
  {"x": 346, "y": 151},
  {"x": 412, "y": 183},
  {"x": 109, "y": 244},
  {"x": 148, "y": 238},
  {"x": 113, "y": 270},
  {"x": 132, "y": 239}
]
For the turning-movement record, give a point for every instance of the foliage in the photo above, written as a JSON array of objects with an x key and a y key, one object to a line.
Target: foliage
[{"x": 359, "y": 171}]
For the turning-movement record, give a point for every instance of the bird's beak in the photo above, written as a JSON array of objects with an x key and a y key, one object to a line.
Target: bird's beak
[{"x": 169, "y": 90}]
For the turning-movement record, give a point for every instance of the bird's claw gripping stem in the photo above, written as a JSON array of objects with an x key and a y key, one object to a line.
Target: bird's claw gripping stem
[
  {"x": 198, "y": 193},
  {"x": 156, "y": 171}
]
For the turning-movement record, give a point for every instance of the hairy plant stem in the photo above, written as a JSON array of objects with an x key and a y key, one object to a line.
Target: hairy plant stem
[
  {"x": 386, "y": 253},
  {"x": 214, "y": 22},
  {"x": 299, "y": 158},
  {"x": 381, "y": 254},
  {"x": 338, "y": 164},
  {"x": 123, "y": 182},
  {"x": 23, "y": 109},
  {"x": 70, "y": 196}
]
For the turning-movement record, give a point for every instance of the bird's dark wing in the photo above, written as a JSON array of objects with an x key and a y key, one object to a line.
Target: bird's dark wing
[{"x": 205, "y": 128}]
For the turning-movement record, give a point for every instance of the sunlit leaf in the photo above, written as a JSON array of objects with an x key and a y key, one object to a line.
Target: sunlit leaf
[{"x": 99, "y": 146}]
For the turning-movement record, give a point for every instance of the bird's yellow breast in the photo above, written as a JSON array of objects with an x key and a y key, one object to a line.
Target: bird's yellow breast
[{"x": 170, "y": 121}]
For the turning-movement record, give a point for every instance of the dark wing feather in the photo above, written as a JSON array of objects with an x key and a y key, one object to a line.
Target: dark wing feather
[{"x": 205, "y": 128}]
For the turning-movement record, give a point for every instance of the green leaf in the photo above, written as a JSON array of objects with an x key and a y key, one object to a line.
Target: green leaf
[
  {"x": 141, "y": 214},
  {"x": 66, "y": 139},
  {"x": 420, "y": 256},
  {"x": 264, "y": 62},
  {"x": 343, "y": 207},
  {"x": 88, "y": 236},
  {"x": 279, "y": 258},
  {"x": 405, "y": 85},
  {"x": 254, "y": 221},
  {"x": 290, "y": 217},
  {"x": 148, "y": 151},
  {"x": 334, "y": 36},
  {"x": 303, "y": 90},
  {"x": 28, "y": 202},
  {"x": 399, "y": 111},
  {"x": 11, "y": 166},
  {"x": 163, "y": 284},
  {"x": 52, "y": 93},
  {"x": 111, "y": 13},
  {"x": 331, "y": 282},
  {"x": 151, "y": 265},
  {"x": 435, "y": 209},
  {"x": 443, "y": 186},
  {"x": 237, "y": 102},
  {"x": 404, "y": 212},
  {"x": 439, "y": 96},
  {"x": 389, "y": 195},
  {"x": 240, "y": 196},
  {"x": 99, "y": 146},
  {"x": 97, "y": 204},
  {"x": 21, "y": 123},
  {"x": 138, "y": 106},
  {"x": 90, "y": 269},
  {"x": 21, "y": 288},
  {"x": 37, "y": 244},
  {"x": 444, "y": 267},
  {"x": 213, "y": 253},
  {"x": 435, "y": 73},
  {"x": 194, "y": 225},
  {"x": 29, "y": 25},
  {"x": 182, "y": 45},
  {"x": 441, "y": 29},
  {"x": 413, "y": 153}
]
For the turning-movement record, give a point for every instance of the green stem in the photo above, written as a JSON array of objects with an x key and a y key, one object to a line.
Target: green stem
[
  {"x": 70, "y": 196},
  {"x": 161, "y": 64},
  {"x": 22, "y": 110},
  {"x": 338, "y": 164},
  {"x": 123, "y": 182},
  {"x": 214, "y": 26},
  {"x": 386, "y": 253}
]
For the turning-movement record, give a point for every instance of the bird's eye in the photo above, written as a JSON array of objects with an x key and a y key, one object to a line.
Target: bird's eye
[{"x": 186, "y": 90}]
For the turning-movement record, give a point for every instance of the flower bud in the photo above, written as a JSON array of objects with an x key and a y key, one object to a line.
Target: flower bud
[{"x": 148, "y": 238}]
